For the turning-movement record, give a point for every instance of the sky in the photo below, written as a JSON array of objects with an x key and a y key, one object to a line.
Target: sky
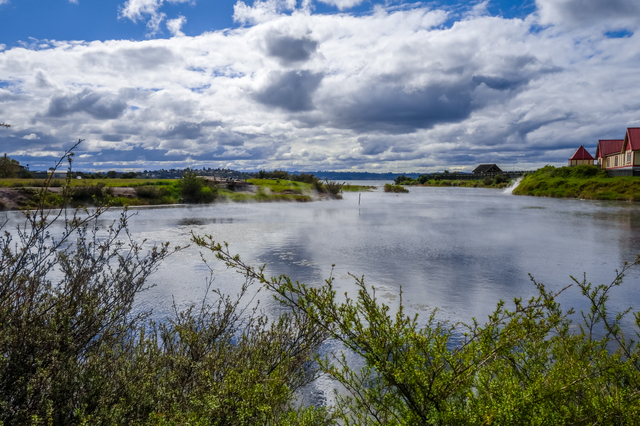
[{"x": 342, "y": 85}]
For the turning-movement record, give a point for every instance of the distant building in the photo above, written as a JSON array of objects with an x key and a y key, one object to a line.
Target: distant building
[
  {"x": 620, "y": 157},
  {"x": 580, "y": 157},
  {"x": 487, "y": 170},
  {"x": 58, "y": 174}
]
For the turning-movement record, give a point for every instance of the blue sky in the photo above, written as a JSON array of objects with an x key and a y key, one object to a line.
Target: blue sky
[
  {"x": 24, "y": 20},
  {"x": 315, "y": 85}
]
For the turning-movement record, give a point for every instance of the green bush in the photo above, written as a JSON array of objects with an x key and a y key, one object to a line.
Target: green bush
[
  {"x": 73, "y": 351},
  {"x": 195, "y": 190},
  {"x": 90, "y": 193},
  {"x": 394, "y": 188},
  {"x": 527, "y": 364},
  {"x": 333, "y": 188},
  {"x": 151, "y": 192}
]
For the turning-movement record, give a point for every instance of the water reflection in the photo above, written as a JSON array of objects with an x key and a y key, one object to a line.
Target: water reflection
[{"x": 460, "y": 249}]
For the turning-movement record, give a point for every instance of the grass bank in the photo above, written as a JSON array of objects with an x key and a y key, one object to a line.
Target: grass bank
[
  {"x": 141, "y": 192},
  {"x": 491, "y": 183},
  {"x": 487, "y": 182},
  {"x": 358, "y": 188},
  {"x": 585, "y": 182}
]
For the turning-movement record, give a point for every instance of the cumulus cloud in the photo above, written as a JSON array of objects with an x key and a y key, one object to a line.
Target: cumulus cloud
[
  {"x": 291, "y": 90},
  {"x": 342, "y": 4},
  {"x": 608, "y": 13},
  {"x": 262, "y": 11},
  {"x": 175, "y": 26},
  {"x": 392, "y": 90},
  {"x": 290, "y": 49},
  {"x": 137, "y": 10},
  {"x": 98, "y": 106}
]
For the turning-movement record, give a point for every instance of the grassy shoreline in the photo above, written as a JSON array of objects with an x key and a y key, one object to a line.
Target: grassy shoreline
[
  {"x": 23, "y": 194},
  {"x": 583, "y": 182}
]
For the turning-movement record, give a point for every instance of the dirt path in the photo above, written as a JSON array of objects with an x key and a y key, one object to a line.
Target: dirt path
[{"x": 11, "y": 199}]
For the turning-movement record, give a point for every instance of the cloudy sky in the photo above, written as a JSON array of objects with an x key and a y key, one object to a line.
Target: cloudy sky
[{"x": 316, "y": 84}]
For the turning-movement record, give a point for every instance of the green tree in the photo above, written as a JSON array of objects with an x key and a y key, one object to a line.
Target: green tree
[
  {"x": 195, "y": 190},
  {"x": 8, "y": 167},
  {"x": 112, "y": 174}
]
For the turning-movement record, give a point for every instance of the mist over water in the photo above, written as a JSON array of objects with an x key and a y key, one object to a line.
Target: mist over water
[{"x": 459, "y": 249}]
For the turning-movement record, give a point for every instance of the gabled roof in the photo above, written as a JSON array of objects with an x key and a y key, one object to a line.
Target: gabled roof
[
  {"x": 486, "y": 168},
  {"x": 632, "y": 139},
  {"x": 581, "y": 154},
  {"x": 608, "y": 147}
]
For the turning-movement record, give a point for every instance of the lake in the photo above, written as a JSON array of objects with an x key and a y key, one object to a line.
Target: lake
[{"x": 459, "y": 249}]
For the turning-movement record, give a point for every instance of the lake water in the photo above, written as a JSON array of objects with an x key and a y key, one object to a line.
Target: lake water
[{"x": 459, "y": 249}]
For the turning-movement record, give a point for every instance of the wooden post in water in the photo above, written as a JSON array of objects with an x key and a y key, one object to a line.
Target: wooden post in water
[{"x": 359, "y": 195}]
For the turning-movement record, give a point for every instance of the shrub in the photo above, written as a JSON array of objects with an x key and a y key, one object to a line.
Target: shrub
[
  {"x": 394, "y": 188},
  {"x": 528, "y": 364},
  {"x": 90, "y": 193},
  {"x": 73, "y": 352},
  {"x": 195, "y": 190},
  {"x": 151, "y": 192},
  {"x": 333, "y": 188},
  {"x": 487, "y": 181}
]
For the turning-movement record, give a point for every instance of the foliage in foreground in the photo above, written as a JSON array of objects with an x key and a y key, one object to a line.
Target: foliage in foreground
[
  {"x": 73, "y": 350},
  {"x": 585, "y": 182},
  {"x": 528, "y": 364}
]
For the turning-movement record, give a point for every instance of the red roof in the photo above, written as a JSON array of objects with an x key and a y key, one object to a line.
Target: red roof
[
  {"x": 581, "y": 154},
  {"x": 632, "y": 138},
  {"x": 608, "y": 147}
]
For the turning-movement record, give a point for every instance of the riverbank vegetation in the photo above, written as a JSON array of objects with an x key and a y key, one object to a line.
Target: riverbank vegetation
[
  {"x": 586, "y": 182},
  {"x": 395, "y": 188},
  {"x": 189, "y": 189},
  {"x": 488, "y": 182},
  {"x": 357, "y": 188}
]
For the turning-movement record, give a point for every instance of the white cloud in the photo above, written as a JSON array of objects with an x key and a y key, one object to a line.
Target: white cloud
[
  {"x": 342, "y": 4},
  {"x": 4, "y": 2},
  {"x": 73, "y": 1},
  {"x": 31, "y": 136},
  {"x": 137, "y": 10},
  {"x": 175, "y": 26},
  {"x": 590, "y": 13},
  {"x": 262, "y": 11},
  {"x": 392, "y": 90}
]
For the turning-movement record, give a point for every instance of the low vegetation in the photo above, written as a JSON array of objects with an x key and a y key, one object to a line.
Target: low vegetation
[
  {"x": 357, "y": 188},
  {"x": 586, "y": 182},
  {"x": 395, "y": 188},
  {"x": 423, "y": 180},
  {"x": 190, "y": 189}
]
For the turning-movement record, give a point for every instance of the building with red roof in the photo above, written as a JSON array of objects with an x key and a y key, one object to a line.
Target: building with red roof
[
  {"x": 620, "y": 157},
  {"x": 581, "y": 156}
]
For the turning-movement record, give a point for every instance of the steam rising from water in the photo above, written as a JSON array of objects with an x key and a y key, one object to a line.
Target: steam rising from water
[{"x": 514, "y": 185}]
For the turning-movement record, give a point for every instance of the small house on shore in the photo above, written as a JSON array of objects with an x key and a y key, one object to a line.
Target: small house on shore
[
  {"x": 581, "y": 156},
  {"x": 620, "y": 157},
  {"x": 487, "y": 170}
]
